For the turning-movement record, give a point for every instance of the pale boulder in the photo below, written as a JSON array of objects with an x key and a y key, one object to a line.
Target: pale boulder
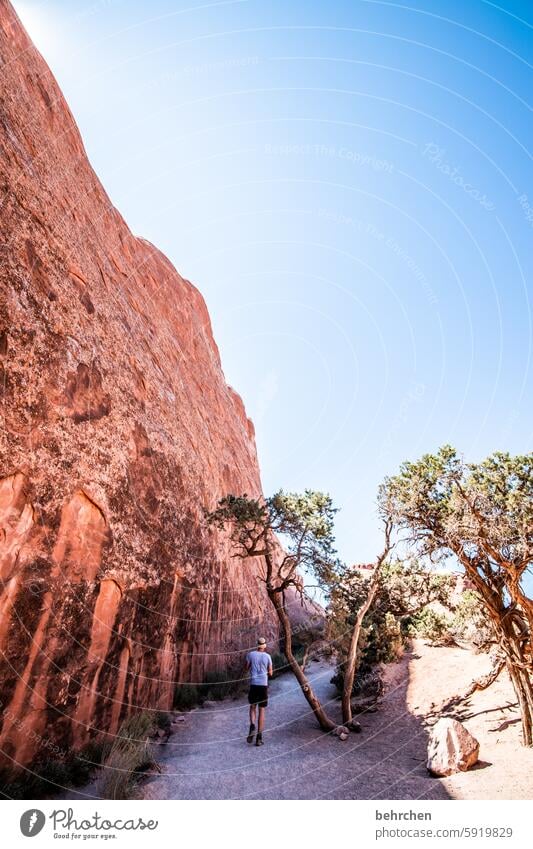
[{"x": 451, "y": 748}]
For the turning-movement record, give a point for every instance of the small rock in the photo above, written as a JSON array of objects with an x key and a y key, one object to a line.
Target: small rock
[
  {"x": 343, "y": 737},
  {"x": 340, "y": 730},
  {"x": 451, "y": 748}
]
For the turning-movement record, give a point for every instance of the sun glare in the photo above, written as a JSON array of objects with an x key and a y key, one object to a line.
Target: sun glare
[{"x": 38, "y": 22}]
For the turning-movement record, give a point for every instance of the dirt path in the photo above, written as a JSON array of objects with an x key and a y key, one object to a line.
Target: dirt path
[{"x": 208, "y": 758}]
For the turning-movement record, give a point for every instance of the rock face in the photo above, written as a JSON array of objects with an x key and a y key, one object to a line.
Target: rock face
[
  {"x": 451, "y": 748},
  {"x": 118, "y": 431},
  {"x": 308, "y": 618}
]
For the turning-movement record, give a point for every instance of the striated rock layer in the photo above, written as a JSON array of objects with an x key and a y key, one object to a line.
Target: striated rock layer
[{"x": 118, "y": 431}]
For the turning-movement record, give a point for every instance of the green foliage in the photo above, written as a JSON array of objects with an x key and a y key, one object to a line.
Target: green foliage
[
  {"x": 279, "y": 661},
  {"x": 368, "y": 682},
  {"x": 410, "y": 585},
  {"x": 502, "y": 487},
  {"x": 162, "y": 721},
  {"x": 405, "y": 591},
  {"x": 304, "y": 521},
  {"x": 85, "y": 762},
  {"x": 216, "y": 686},
  {"x": 432, "y": 625},
  {"x": 240, "y": 510},
  {"x": 124, "y": 759},
  {"x": 186, "y": 696},
  {"x": 470, "y": 622},
  {"x": 382, "y": 639},
  {"x": 483, "y": 512},
  {"x": 46, "y": 776},
  {"x": 421, "y": 494}
]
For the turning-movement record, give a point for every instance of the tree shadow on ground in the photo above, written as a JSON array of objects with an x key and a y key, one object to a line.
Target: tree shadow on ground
[{"x": 391, "y": 752}]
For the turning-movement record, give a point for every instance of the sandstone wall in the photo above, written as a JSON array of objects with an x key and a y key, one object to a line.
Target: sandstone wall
[{"x": 118, "y": 430}]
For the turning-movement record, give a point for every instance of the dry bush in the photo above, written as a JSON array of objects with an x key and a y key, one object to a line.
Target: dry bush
[{"x": 129, "y": 754}]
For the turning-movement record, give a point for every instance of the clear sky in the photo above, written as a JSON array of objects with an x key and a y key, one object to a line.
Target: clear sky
[{"x": 350, "y": 187}]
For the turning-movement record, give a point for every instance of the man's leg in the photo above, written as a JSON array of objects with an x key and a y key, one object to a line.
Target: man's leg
[
  {"x": 251, "y": 730},
  {"x": 260, "y": 726}
]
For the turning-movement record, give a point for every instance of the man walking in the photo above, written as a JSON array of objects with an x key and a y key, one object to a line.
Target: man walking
[{"x": 259, "y": 664}]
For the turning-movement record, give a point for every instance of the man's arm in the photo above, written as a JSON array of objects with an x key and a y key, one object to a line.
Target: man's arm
[{"x": 270, "y": 668}]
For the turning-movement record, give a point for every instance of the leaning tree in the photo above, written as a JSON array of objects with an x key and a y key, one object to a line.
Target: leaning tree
[
  {"x": 369, "y": 610},
  {"x": 483, "y": 515},
  {"x": 304, "y": 522},
  {"x": 346, "y": 586}
]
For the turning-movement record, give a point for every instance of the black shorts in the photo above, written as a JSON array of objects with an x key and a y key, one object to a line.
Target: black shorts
[{"x": 258, "y": 695}]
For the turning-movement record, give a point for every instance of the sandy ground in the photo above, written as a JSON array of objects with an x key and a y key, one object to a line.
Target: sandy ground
[
  {"x": 505, "y": 768},
  {"x": 208, "y": 757}
]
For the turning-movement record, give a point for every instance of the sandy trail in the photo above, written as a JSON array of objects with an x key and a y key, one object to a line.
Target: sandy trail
[{"x": 208, "y": 757}]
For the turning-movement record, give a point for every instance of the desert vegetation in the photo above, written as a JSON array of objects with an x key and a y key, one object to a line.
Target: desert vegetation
[
  {"x": 49, "y": 774},
  {"x": 480, "y": 514},
  {"x": 126, "y": 756},
  {"x": 304, "y": 522},
  {"x": 456, "y": 550},
  {"x": 445, "y": 515}
]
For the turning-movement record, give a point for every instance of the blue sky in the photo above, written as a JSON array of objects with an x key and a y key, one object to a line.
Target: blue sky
[{"x": 349, "y": 186}]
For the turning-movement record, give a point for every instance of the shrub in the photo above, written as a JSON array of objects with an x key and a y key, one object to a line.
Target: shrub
[
  {"x": 162, "y": 721},
  {"x": 279, "y": 661},
  {"x": 46, "y": 776},
  {"x": 41, "y": 780},
  {"x": 54, "y": 774},
  {"x": 431, "y": 625},
  {"x": 405, "y": 592},
  {"x": 470, "y": 622},
  {"x": 367, "y": 684},
  {"x": 216, "y": 686},
  {"x": 186, "y": 696},
  {"x": 128, "y": 755}
]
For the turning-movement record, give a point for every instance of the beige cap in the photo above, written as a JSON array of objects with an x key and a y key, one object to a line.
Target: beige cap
[{"x": 261, "y": 641}]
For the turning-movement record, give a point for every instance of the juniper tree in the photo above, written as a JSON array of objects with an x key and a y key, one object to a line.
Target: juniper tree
[
  {"x": 345, "y": 585},
  {"x": 304, "y": 522},
  {"x": 483, "y": 515}
]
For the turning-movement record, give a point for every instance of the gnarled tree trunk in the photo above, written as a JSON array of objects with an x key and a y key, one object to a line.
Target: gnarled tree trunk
[
  {"x": 349, "y": 672},
  {"x": 520, "y": 673},
  {"x": 512, "y": 632},
  {"x": 276, "y": 597}
]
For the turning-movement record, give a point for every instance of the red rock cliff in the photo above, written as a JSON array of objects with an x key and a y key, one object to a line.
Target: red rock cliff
[{"x": 118, "y": 430}]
